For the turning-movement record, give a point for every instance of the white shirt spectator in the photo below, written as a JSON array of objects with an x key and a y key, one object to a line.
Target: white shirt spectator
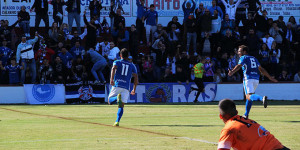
[
  {"x": 231, "y": 9},
  {"x": 297, "y": 77},
  {"x": 113, "y": 53},
  {"x": 105, "y": 48},
  {"x": 268, "y": 41}
]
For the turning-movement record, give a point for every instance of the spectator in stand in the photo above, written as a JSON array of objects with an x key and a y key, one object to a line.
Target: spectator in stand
[
  {"x": 104, "y": 47},
  {"x": 76, "y": 37},
  {"x": 275, "y": 54},
  {"x": 5, "y": 53},
  {"x": 181, "y": 75},
  {"x": 77, "y": 50},
  {"x": 227, "y": 24},
  {"x": 99, "y": 65},
  {"x": 187, "y": 10},
  {"x": 290, "y": 37},
  {"x": 13, "y": 71},
  {"x": 160, "y": 61},
  {"x": 248, "y": 24},
  {"x": 122, "y": 36},
  {"x": 252, "y": 41},
  {"x": 151, "y": 17},
  {"x": 133, "y": 42},
  {"x": 241, "y": 12},
  {"x": 207, "y": 45},
  {"x": 25, "y": 53},
  {"x": 53, "y": 34},
  {"x": 95, "y": 8},
  {"x": 141, "y": 10},
  {"x": 206, "y": 23},
  {"x": 43, "y": 53},
  {"x": 228, "y": 42},
  {"x": 148, "y": 69},
  {"x": 268, "y": 40},
  {"x": 46, "y": 72},
  {"x": 209, "y": 73},
  {"x": 253, "y": 6},
  {"x": 78, "y": 70},
  {"x": 64, "y": 32},
  {"x": 174, "y": 39},
  {"x": 73, "y": 9},
  {"x": 66, "y": 57},
  {"x": 59, "y": 69},
  {"x": 176, "y": 23},
  {"x": 297, "y": 76},
  {"x": 281, "y": 24},
  {"x": 232, "y": 62},
  {"x": 215, "y": 7},
  {"x": 6, "y": 32},
  {"x": 160, "y": 33},
  {"x": 231, "y": 7},
  {"x": 168, "y": 76},
  {"x": 117, "y": 17},
  {"x": 200, "y": 11},
  {"x": 219, "y": 76},
  {"x": 92, "y": 28},
  {"x": 191, "y": 33},
  {"x": 58, "y": 16},
  {"x": 293, "y": 22},
  {"x": 24, "y": 18},
  {"x": 113, "y": 52},
  {"x": 285, "y": 76},
  {"x": 261, "y": 23},
  {"x": 264, "y": 53},
  {"x": 276, "y": 32},
  {"x": 182, "y": 67},
  {"x": 216, "y": 23},
  {"x": 41, "y": 12}
]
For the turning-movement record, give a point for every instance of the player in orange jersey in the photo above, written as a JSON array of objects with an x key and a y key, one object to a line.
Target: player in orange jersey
[{"x": 241, "y": 133}]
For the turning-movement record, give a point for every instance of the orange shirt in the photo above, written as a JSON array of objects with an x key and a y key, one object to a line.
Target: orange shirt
[{"x": 240, "y": 133}]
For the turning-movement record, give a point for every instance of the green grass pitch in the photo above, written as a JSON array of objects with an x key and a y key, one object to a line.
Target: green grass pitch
[{"x": 151, "y": 127}]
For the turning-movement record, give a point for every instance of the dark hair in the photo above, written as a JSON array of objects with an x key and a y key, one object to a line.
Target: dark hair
[
  {"x": 124, "y": 53},
  {"x": 227, "y": 107},
  {"x": 152, "y": 5},
  {"x": 244, "y": 48}
]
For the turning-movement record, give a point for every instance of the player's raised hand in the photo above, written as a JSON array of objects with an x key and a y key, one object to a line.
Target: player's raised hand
[
  {"x": 132, "y": 92},
  {"x": 112, "y": 82}
]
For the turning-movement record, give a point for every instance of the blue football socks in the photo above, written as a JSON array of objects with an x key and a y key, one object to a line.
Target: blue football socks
[
  {"x": 248, "y": 107},
  {"x": 119, "y": 114},
  {"x": 112, "y": 99},
  {"x": 255, "y": 97}
]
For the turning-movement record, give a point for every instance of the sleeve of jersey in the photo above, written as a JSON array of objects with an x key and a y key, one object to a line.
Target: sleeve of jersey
[
  {"x": 226, "y": 140},
  {"x": 115, "y": 62},
  {"x": 257, "y": 63},
  {"x": 134, "y": 70},
  {"x": 241, "y": 61}
]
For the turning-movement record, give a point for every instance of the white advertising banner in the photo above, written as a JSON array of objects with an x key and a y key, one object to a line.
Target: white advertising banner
[
  {"x": 44, "y": 93},
  {"x": 166, "y": 9}
]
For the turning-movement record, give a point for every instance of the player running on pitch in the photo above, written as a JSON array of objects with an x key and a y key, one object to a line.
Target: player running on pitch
[
  {"x": 251, "y": 69},
  {"x": 121, "y": 74}
]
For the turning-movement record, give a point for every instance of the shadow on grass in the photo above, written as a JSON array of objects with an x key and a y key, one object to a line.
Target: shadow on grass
[
  {"x": 183, "y": 125},
  {"x": 292, "y": 121}
]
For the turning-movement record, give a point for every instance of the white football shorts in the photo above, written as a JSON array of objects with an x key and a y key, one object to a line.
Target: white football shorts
[
  {"x": 250, "y": 85},
  {"x": 114, "y": 91}
]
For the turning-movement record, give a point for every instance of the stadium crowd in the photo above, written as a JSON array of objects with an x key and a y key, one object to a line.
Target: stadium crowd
[{"x": 61, "y": 54}]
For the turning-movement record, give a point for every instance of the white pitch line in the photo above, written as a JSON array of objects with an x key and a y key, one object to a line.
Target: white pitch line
[{"x": 58, "y": 140}]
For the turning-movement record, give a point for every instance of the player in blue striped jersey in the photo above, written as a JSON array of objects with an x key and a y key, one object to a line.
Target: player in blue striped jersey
[
  {"x": 251, "y": 69},
  {"x": 121, "y": 74}
]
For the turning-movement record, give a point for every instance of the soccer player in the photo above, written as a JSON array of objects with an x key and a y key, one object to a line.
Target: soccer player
[
  {"x": 251, "y": 70},
  {"x": 121, "y": 74},
  {"x": 198, "y": 71},
  {"x": 243, "y": 133}
]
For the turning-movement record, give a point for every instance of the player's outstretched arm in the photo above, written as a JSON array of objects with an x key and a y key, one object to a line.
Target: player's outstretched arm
[
  {"x": 265, "y": 73},
  {"x": 136, "y": 81},
  {"x": 112, "y": 75},
  {"x": 234, "y": 70}
]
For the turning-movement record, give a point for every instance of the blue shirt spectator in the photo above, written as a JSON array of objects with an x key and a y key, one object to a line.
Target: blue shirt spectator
[
  {"x": 5, "y": 54},
  {"x": 141, "y": 9},
  {"x": 187, "y": 9},
  {"x": 151, "y": 16},
  {"x": 65, "y": 56},
  {"x": 77, "y": 50},
  {"x": 215, "y": 7}
]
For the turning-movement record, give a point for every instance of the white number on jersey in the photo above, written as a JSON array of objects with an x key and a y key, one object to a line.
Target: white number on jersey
[
  {"x": 253, "y": 63},
  {"x": 124, "y": 69}
]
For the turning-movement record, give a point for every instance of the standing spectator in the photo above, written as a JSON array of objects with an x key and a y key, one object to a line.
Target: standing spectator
[
  {"x": 187, "y": 11},
  {"x": 113, "y": 52},
  {"x": 44, "y": 53},
  {"x": 209, "y": 73},
  {"x": 253, "y": 6},
  {"x": 104, "y": 47},
  {"x": 216, "y": 23},
  {"x": 59, "y": 69},
  {"x": 41, "y": 12},
  {"x": 191, "y": 33},
  {"x": 160, "y": 61},
  {"x": 77, "y": 50},
  {"x": 65, "y": 57},
  {"x": 268, "y": 40},
  {"x": 241, "y": 12},
  {"x": 228, "y": 42},
  {"x": 116, "y": 17},
  {"x": 91, "y": 31},
  {"x": 24, "y": 21},
  {"x": 252, "y": 41},
  {"x": 95, "y": 8},
  {"x": 151, "y": 17},
  {"x": 182, "y": 68},
  {"x": 160, "y": 33},
  {"x": 281, "y": 24},
  {"x": 76, "y": 37},
  {"x": 133, "y": 42},
  {"x": 274, "y": 58},
  {"x": 6, "y": 32},
  {"x": 73, "y": 9},
  {"x": 206, "y": 22},
  {"x": 199, "y": 11},
  {"x": 141, "y": 10},
  {"x": 227, "y": 24},
  {"x": 53, "y": 34},
  {"x": 148, "y": 69},
  {"x": 231, "y": 8},
  {"x": 174, "y": 39},
  {"x": 58, "y": 16},
  {"x": 248, "y": 24},
  {"x": 297, "y": 76},
  {"x": 46, "y": 72},
  {"x": 176, "y": 23},
  {"x": 79, "y": 70},
  {"x": 215, "y": 7},
  {"x": 99, "y": 65},
  {"x": 264, "y": 53},
  {"x": 276, "y": 32},
  {"x": 293, "y": 22},
  {"x": 290, "y": 37},
  {"x": 122, "y": 36},
  {"x": 261, "y": 23},
  {"x": 14, "y": 71},
  {"x": 26, "y": 54},
  {"x": 5, "y": 53}
]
